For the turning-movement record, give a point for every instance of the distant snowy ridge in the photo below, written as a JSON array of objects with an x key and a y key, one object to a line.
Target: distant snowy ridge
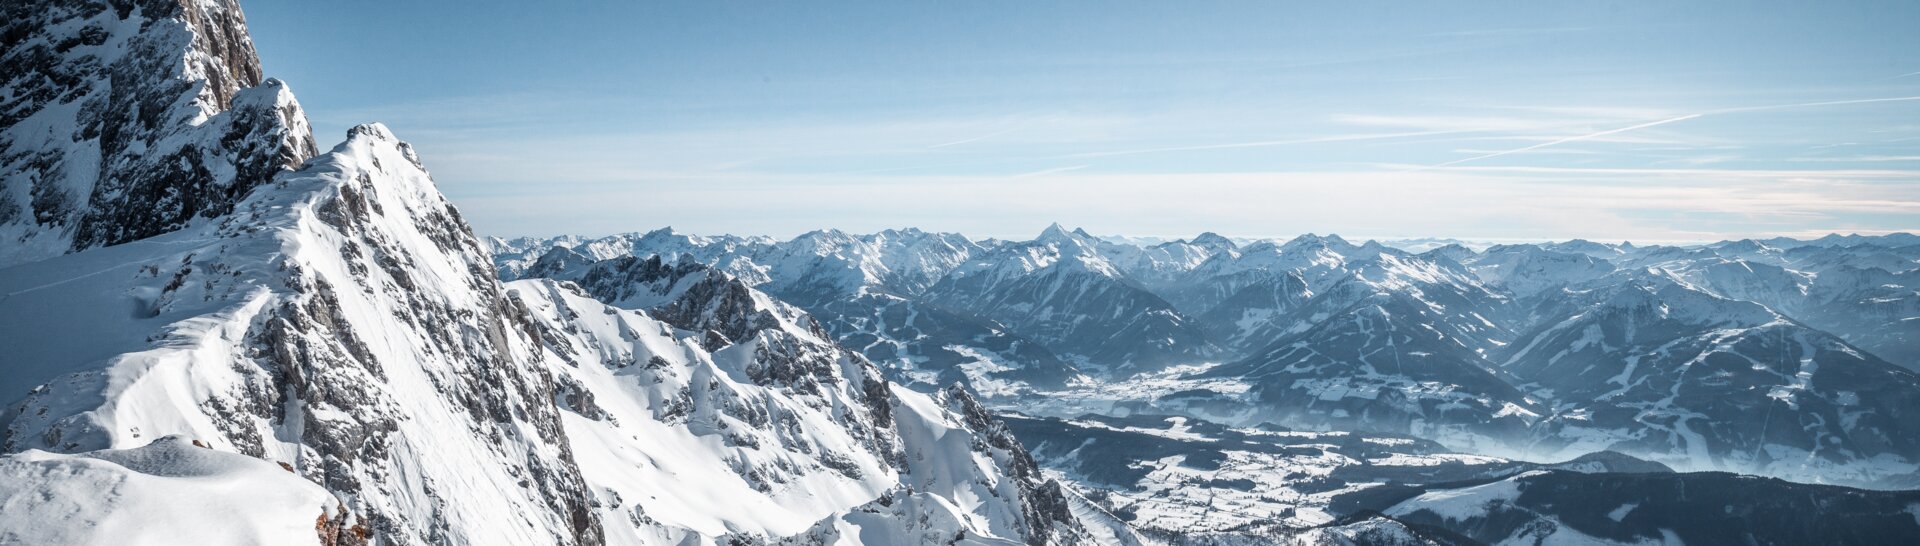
[{"x": 1325, "y": 333}]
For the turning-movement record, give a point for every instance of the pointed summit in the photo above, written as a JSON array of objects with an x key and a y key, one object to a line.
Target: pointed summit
[
  {"x": 140, "y": 122},
  {"x": 1054, "y": 233}
]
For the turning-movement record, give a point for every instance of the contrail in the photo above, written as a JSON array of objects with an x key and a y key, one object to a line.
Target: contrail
[
  {"x": 1568, "y": 139},
  {"x": 1811, "y": 104},
  {"x": 1266, "y": 143},
  {"x": 1671, "y": 120}
]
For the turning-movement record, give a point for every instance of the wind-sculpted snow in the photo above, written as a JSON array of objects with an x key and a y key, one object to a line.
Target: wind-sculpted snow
[
  {"x": 125, "y": 120},
  {"x": 721, "y": 414},
  {"x": 164, "y": 493},
  {"x": 342, "y": 320}
]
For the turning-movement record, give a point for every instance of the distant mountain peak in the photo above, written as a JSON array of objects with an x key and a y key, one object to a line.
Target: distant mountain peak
[
  {"x": 1212, "y": 241},
  {"x": 1054, "y": 233},
  {"x": 1310, "y": 240}
]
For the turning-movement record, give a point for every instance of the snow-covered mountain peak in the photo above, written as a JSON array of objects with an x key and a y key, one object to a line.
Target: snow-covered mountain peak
[
  {"x": 1746, "y": 246},
  {"x": 1055, "y": 234},
  {"x": 1455, "y": 252},
  {"x": 1661, "y": 294},
  {"x": 825, "y": 239},
  {"x": 1590, "y": 248},
  {"x": 1399, "y": 271},
  {"x": 1213, "y": 242},
  {"x": 1319, "y": 260},
  {"x": 777, "y": 436},
  {"x": 1532, "y": 270},
  {"x": 141, "y": 118},
  {"x": 343, "y": 320},
  {"x": 667, "y": 235},
  {"x": 1309, "y": 240}
]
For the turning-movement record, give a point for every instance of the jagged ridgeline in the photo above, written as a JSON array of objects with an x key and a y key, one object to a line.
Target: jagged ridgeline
[
  {"x": 1784, "y": 358},
  {"x": 198, "y": 303},
  {"x": 124, "y": 120},
  {"x": 214, "y": 332}
]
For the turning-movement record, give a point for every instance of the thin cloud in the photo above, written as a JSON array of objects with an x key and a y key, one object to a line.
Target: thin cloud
[
  {"x": 1044, "y": 172},
  {"x": 1857, "y": 159},
  {"x": 1699, "y": 172},
  {"x": 1676, "y": 119},
  {"x": 974, "y": 139},
  {"x": 1565, "y": 140},
  {"x": 1808, "y": 105},
  {"x": 1267, "y": 143}
]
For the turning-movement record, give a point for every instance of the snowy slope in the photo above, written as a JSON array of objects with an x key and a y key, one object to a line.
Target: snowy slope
[
  {"x": 1558, "y": 507},
  {"x": 1060, "y": 290},
  {"x": 124, "y": 120},
  {"x": 864, "y": 288},
  {"x": 1532, "y": 271},
  {"x": 1244, "y": 298},
  {"x": 1873, "y": 307},
  {"x": 1321, "y": 330},
  {"x": 1163, "y": 265},
  {"x": 342, "y": 320},
  {"x": 1648, "y": 364},
  {"x": 164, "y": 493},
  {"x": 732, "y": 254},
  {"x": 733, "y": 415},
  {"x": 1210, "y": 484}
]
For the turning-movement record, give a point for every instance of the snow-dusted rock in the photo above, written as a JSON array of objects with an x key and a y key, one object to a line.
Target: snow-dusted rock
[
  {"x": 341, "y": 319},
  {"x": 124, "y": 120},
  {"x": 723, "y": 413}
]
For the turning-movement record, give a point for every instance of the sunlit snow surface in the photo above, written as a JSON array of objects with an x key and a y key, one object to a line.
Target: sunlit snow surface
[
  {"x": 1177, "y": 474},
  {"x": 168, "y": 492}
]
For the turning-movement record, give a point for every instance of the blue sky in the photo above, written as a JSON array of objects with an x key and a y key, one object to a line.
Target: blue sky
[{"x": 1647, "y": 121}]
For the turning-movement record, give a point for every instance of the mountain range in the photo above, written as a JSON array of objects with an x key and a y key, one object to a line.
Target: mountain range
[
  {"x": 1797, "y": 356},
  {"x": 214, "y": 331}
]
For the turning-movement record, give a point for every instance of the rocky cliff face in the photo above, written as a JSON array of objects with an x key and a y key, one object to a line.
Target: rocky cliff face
[
  {"x": 124, "y": 120},
  {"x": 718, "y": 398}
]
